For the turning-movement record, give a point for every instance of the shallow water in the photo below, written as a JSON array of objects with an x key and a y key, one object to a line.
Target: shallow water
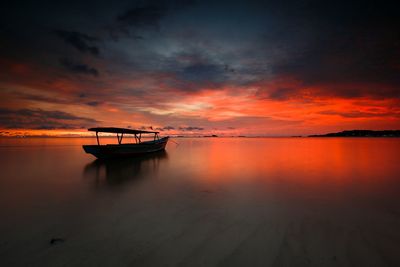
[{"x": 204, "y": 202}]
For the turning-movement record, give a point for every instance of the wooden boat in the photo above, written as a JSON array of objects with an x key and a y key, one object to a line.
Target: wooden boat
[{"x": 128, "y": 149}]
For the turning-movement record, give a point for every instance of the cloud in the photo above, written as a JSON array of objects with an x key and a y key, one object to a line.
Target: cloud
[
  {"x": 80, "y": 41},
  {"x": 360, "y": 114},
  {"x": 42, "y": 98},
  {"x": 78, "y": 68},
  {"x": 198, "y": 74},
  {"x": 341, "y": 56},
  {"x": 58, "y": 99},
  {"x": 93, "y": 103},
  {"x": 191, "y": 128},
  {"x": 42, "y": 119},
  {"x": 283, "y": 93},
  {"x": 202, "y": 73},
  {"x": 145, "y": 16},
  {"x": 168, "y": 128},
  {"x": 131, "y": 21}
]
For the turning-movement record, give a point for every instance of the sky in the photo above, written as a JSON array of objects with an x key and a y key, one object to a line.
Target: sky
[{"x": 270, "y": 68}]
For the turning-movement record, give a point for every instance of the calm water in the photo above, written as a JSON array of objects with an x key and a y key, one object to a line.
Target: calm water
[{"x": 205, "y": 202}]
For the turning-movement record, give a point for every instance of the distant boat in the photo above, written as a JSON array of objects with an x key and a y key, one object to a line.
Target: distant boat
[{"x": 128, "y": 149}]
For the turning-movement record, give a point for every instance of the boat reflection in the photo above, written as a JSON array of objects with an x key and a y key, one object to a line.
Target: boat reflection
[{"x": 120, "y": 170}]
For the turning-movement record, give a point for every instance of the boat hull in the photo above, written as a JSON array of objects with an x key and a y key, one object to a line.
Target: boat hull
[{"x": 126, "y": 150}]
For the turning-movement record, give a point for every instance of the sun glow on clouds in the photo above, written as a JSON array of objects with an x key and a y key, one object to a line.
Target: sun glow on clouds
[
  {"x": 274, "y": 107},
  {"x": 212, "y": 75},
  {"x": 227, "y": 111}
]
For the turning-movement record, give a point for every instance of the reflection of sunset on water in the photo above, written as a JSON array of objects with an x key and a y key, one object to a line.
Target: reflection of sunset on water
[
  {"x": 241, "y": 193},
  {"x": 293, "y": 160}
]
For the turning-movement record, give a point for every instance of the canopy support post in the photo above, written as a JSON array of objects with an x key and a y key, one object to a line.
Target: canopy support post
[
  {"x": 97, "y": 137},
  {"x": 119, "y": 137}
]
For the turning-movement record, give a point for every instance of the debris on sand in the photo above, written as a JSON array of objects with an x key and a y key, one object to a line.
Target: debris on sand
[{"x": 56, "y": 240}]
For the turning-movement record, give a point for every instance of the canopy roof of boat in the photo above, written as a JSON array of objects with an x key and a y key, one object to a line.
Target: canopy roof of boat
[{"x": 118, "y": 130}]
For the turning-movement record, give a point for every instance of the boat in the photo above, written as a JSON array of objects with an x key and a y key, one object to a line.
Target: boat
[{"x": 138, "y": 148}]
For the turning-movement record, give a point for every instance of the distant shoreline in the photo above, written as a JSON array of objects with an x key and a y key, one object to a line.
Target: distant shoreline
[
  {"x": 361, "y": 133},
  {"x": 348, "y": 133}
]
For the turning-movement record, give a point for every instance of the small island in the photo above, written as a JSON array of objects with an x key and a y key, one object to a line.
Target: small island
[{"x": 361, "y": 133}]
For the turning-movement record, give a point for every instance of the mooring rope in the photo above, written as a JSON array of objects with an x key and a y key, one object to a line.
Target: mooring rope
[{"x": 174, "y": 142}]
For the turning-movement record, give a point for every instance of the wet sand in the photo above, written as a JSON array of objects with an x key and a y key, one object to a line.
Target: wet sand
[{"x": 195, "y": 206}]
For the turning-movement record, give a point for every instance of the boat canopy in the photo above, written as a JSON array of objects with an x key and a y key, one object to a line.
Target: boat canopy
[
  {"x": 120, "y": 133},
  {"x": 119, "y": 130}
]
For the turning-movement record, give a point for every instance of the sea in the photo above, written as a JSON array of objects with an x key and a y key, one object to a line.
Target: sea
[{"x": 202, "y": 202}]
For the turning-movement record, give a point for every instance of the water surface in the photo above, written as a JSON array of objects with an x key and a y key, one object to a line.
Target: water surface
[{"x": 204, "y": 202}]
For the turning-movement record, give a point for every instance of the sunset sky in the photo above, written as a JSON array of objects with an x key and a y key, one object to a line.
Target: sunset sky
[{"x": 199, "y": 67}]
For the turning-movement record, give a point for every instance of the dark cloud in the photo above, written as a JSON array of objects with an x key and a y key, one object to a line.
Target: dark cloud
[
  {"x": 161, "y": 129},
  {"x": 146, "y": 128},
  {"x": 191, "y": 128},
  {"x": 54, "y": 114},
  {"x": 42, "y": 119},
  {"x": 78, "y": 68},
  {"x": 138, "y": 92},
  {"x": 168, "y": 128},
  {"x": 305, "y": 40},
  {"x": 203, "y": 73},
  {"x": 359, "y": 114},
  {"x": 327, "y": 90},
  {"x": 42, "y": 98},
  {"x": 372, "y": 90},
  {"x": 358, "y": 48},
  {"x": 93, "y": 103},
  {"x": 140, "y": 17},
  {"x": 80, "y": 41},
  {"x": 198, "y": 76},
  {"x": 144, "y": 16},
  {"x": 282, "y": 93},
  {"x": 344, "y": 68}
]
